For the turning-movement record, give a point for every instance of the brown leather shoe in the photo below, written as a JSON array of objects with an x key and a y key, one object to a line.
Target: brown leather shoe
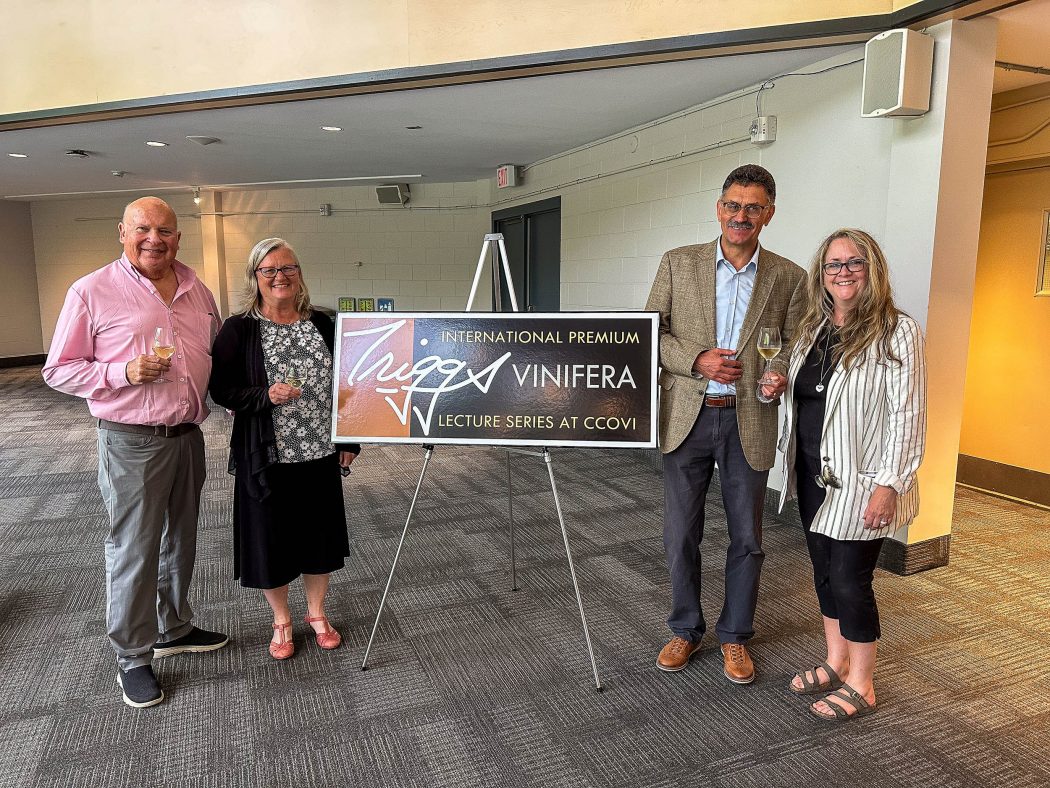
[
  {"x": 675, "y": 655},
  {"x": 737, "y": 664}
]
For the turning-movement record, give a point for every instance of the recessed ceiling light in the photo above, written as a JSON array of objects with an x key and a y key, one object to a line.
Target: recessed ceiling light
[
  {"x": 18, "y": 155},
  {"x": 413, "y": 128},
  {"x": 156, "y": 144},
  {"x": 331, "y": 128}
]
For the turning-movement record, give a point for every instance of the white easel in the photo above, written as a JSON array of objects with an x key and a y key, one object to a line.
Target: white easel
[{"x": 487, "y": 247}]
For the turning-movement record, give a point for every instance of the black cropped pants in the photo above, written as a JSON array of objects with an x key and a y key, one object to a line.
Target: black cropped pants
[{"x": 842, "y": 569}]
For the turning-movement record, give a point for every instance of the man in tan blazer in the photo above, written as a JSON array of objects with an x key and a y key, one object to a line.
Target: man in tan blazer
[{"x": 712, "y": 299}]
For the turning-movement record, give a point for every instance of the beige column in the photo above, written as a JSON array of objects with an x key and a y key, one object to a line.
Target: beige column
[
  {"x": 213, "y": 249},
  {"x": 936, "y": 186}
]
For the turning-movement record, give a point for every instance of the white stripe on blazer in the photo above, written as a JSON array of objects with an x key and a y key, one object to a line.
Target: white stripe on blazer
[{"x": 874, "y": 434}]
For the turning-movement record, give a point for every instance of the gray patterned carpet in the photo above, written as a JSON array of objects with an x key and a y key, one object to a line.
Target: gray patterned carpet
[{"x": 472, "y": 684}]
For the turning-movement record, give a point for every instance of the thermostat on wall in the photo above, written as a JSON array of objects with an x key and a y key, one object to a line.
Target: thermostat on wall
[{"x": 763, "y": 129}]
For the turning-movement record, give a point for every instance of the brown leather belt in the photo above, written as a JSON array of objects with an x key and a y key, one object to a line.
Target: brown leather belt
[
  {"x": 173, "y": 431},
  {"x": 720, "y": 400}
]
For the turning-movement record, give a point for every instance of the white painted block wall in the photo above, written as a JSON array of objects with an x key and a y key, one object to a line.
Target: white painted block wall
[
  {"x": 74, "y": 237},
  {"x": 422, "y": 255}
]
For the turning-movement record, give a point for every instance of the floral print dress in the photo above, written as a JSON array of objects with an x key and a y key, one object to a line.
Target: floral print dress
[{"x": 303, "y": 427}]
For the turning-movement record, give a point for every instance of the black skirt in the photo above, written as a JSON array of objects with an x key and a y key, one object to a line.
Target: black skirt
[{"x": 300, "y": 528}]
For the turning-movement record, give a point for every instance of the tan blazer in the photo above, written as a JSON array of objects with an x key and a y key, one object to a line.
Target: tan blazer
[
  {"x": 684, "y": 295},
  {"x": 874, "y": 433}
]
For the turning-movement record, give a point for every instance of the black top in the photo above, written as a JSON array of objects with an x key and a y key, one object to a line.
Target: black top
[
  {"x": 239, "y": 382},
  {"x": 810, "y": 403}
]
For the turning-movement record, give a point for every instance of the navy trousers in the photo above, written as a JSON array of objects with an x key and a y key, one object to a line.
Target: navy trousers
[{"x": 714, "y": 440}]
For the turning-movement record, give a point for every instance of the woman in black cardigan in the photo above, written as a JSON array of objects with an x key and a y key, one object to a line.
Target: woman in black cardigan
[{"x": 272, "y": 366}]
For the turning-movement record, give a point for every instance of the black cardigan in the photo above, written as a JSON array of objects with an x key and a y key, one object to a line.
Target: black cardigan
[{"x": 239, "y": 383}]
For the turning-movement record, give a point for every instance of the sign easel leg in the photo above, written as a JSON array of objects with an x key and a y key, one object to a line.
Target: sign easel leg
[
  {"x": 572, "y": 569},
  {"x": 379, "y": 614}
]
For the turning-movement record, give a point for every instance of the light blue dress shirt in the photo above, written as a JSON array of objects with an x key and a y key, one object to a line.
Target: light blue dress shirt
[{"x": 732, "y": 295}]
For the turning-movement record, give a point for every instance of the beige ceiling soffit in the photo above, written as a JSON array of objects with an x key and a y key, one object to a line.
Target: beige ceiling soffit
[
  {"x": 962, "y": 11},
  {"x": 862, "y": 28},
  {"x": 1020, "y": 137},
  {"x": 436, "y": 81},
  {"x": 909, "y": 15},
  {"x": 975, "y": 10},
  {"x": 1020, "y": 96},
  {"x": 1017, "y": 165}
]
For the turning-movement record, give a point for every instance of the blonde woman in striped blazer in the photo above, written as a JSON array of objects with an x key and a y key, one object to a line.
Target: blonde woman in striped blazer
[{"x": 854, "y": 432}]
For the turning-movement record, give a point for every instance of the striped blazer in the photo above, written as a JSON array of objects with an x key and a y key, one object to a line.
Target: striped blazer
[{"x": 874, "y": 434}]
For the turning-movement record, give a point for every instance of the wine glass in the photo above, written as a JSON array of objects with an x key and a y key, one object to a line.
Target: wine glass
[
  {"x": 295, "y": 377},
  {"x": 163, "y": 346},
  {"x": 768, "y": 347}
]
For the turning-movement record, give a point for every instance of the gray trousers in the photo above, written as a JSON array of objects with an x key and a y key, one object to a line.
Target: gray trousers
[
  {"x": 151, "y": 486},
  {"x": 713, "y": 440}
]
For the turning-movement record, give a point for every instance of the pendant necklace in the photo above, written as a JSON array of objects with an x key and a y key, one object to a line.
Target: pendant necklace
[{"x": 823, "y": 358}]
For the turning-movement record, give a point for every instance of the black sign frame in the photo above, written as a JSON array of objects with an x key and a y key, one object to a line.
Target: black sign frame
[{"x": 597, "y": 369}]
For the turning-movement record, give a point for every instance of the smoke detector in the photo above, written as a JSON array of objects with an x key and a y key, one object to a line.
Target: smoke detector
[{"x": 77, "y": 153}]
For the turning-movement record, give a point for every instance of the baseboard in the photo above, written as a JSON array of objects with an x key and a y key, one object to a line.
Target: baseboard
[
  {"x": 23, "y": 361},
  {"x": 1018, "y": 483},
  {"x": 907, "y": 559}
]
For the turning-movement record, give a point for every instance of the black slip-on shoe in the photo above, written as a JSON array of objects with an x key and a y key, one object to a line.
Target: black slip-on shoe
[
  {"x": 195, "y": 641},
  {"x": 140, "y": 687}
]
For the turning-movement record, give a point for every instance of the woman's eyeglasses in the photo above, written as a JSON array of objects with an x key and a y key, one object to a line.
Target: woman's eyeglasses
[
  {"x": 270, "y": 273},
  {"x": 853, "y": 266}
]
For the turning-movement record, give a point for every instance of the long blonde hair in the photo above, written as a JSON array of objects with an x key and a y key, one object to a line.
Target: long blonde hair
[
  {"x": 253, "y": 296},
  {"x": 873, "y": 321}
]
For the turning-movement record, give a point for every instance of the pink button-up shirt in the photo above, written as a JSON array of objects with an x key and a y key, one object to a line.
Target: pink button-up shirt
[{"x": 108, "y": 319}]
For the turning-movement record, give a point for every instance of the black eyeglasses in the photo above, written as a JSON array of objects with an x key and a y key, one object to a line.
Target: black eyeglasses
[
  {"x": 827, "y": 478},
  {"x": 270, "y": 273},
  {"x": 852, "y": 265},
  {"x": 751, "y": 210}
]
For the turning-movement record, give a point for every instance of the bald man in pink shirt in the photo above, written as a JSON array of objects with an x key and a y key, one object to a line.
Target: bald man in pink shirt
[{"x": 150, "y": 446}]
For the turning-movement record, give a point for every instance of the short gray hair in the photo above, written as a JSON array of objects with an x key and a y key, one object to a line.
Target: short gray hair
[
  {"x": 252, "y": 294},
  {"x": 752, "y": 174}
]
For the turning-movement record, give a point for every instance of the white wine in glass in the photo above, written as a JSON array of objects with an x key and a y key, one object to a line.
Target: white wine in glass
[
  {"x": 294, "y": 377},
  {"x": 163, "y": 346},
  {"x": 769, "y": 348}
]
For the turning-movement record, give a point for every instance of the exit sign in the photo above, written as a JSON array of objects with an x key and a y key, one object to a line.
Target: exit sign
[{"x": 506, "y": 175}]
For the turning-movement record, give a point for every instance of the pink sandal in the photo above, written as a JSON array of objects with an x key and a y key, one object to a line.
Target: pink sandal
[
  {"x": 284, "y": 647},
  {"x": 329, "y": 638}
]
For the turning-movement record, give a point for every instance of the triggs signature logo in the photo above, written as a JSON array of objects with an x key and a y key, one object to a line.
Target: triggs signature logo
[
  {"x": 397, "y": 380},
  {"x": 518, "y": 379}
]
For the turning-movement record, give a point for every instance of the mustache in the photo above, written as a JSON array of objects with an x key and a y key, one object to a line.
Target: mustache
[{"x": 741, "y": 225}]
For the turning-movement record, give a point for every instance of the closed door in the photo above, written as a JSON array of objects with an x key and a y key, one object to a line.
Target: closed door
[{"x": 532, "y": 235}]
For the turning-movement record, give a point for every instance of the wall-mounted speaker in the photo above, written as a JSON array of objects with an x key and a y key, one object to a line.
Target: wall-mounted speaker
[
  {"x": 392, "y": 193},
  {"x": 898, "y": 70}
]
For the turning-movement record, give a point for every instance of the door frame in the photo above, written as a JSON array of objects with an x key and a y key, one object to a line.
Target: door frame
[{"x": 524, "y": 211}]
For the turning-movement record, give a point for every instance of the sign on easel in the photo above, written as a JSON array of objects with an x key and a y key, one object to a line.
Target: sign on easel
[
  {"x": 585, "y": 379},
  {"x": 525, "y": 379}
]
